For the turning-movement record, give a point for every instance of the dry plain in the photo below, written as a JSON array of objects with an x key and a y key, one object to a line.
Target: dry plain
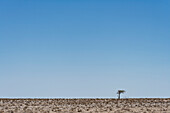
[{"x": 144, "y": 105}]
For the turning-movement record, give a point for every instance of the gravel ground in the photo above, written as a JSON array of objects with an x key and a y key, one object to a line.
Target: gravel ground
[{"x": 144, "y": 105}]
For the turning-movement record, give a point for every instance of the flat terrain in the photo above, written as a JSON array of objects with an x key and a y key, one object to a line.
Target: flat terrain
[{"x": 145, "y": 105}]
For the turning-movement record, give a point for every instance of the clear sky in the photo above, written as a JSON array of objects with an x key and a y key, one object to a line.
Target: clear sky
[{"x": 84, "y": 48}]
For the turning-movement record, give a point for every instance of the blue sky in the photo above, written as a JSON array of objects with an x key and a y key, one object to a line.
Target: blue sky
[{"x": 90, "y": 48}]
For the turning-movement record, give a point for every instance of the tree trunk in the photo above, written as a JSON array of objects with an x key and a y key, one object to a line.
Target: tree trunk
[{"x": 119, "y": 96}]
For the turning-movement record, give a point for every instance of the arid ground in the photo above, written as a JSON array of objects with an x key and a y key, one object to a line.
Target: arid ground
[{"x": 145, "y": 105}]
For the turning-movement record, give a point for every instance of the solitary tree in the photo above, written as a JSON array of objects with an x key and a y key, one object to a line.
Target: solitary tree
[{"x": 119, "y": 92}]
